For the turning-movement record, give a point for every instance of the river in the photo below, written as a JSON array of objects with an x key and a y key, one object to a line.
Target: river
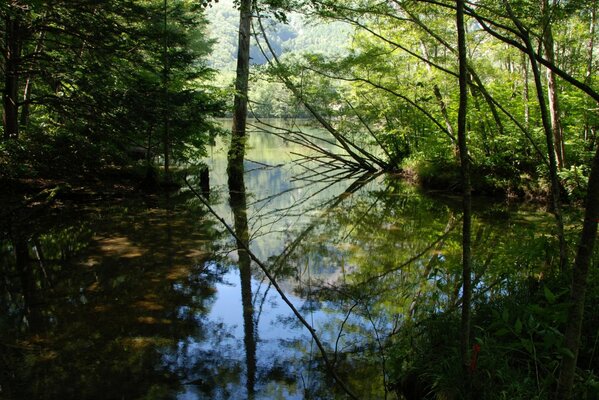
[{"x": 149, "y": 297}]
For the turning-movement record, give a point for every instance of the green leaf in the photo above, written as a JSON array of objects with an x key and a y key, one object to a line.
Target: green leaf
[
  {"x": 549, "y": 295},
  {"x": 528, "y": 345},
  {"x": 566, "y": 352},
  {"x": 518, "y": 326},
  {"x": 502, "y": 332}
]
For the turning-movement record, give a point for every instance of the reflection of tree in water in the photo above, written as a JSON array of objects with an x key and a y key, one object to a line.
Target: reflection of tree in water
[
  {"x": 238, "y": 203},
  {"x": 317, "y": 382},
  {"x": 389, "y": 262},
  {"x": 91, "y": 305}
]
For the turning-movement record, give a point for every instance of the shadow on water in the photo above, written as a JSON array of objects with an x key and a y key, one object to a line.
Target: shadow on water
[
  {"x": 92, "y": 298},
  {"x": 137, "y": 299}
]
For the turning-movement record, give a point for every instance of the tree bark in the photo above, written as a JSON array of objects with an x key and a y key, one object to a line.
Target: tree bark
[
  {"x": 166, "y": 140},
  {"x": 579, "y": 283},
  {"x": 466, "y": 199},
  {"x": 589, "y": 128},
  {"x": 240, "y": 105},
  {"x": 525, "y": 92},
  {"x": 554, "y": 109}
]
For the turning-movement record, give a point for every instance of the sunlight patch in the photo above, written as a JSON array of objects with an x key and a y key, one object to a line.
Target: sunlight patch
[{"x": 121, "y": 247}]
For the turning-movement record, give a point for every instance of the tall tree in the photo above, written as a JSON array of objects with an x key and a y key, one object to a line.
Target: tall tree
[
  {"x": 578, "y": 290},
  {"x": 14, "y": 35},
  {"x": 549, "y": 138},
  {"x": 165, "y": 77},
  {"x": 466, "y": 197},
  {"x": 554, "y": 109},
  {"x": 240, "y": 105},
  {"x": 95, "y": 73}
]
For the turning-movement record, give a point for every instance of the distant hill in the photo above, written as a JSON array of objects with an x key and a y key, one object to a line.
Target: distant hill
[{"x": 298, "y": 36}]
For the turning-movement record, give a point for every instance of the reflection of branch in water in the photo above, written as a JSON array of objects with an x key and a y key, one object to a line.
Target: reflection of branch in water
[
  {"x": 428, "y": 248},
  {"x": 361, "y": 219},
  {"x": 347, "y": 315},
  {"x": 279, "y": 214},
  {"x": 349, "y": 291},
  {"x": 331, "y": 205},
  {"x": 381, "y": 348},
  {"x": 428, "y": 269},
  {"x": 330, "y": 174},
  {"x": 279, "y": 262},
  {"x": 276, "y": 211},
  {"x": 284, "y": 297}
]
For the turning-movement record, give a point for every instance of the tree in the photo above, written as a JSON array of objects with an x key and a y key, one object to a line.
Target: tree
[
  {"x": 240, "y": 106},
  {"x": 580, "y": 274},
  {"x": 93, "y": 74},
  {"x": 466, "y": 196}
]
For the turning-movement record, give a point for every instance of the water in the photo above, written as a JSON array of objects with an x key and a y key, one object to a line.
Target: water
[{"x": 145, "y": 298}]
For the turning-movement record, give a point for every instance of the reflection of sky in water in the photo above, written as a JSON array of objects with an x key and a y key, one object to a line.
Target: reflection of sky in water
[
  {"x": 279, "y": 209},
  {"x": 277, "y": 202},
  {"x": 277, "y": 330}
]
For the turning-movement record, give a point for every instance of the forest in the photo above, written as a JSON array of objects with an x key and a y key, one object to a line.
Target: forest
[{"x": 299, "y": 199}]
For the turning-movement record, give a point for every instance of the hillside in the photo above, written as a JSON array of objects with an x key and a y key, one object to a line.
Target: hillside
[{"x": 300, "y": 35}]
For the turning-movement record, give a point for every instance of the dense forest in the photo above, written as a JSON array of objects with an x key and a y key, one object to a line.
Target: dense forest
[{"x": 475, "y": 102}]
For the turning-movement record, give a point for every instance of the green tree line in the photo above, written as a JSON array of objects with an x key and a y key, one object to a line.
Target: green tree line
[{"x": 86, "y": 82}]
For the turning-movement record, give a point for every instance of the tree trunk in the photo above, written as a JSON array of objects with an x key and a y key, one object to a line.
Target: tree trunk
[
  {"x": 439, "y": 97},
  {"x": 481, "y": 122},
  {"x": 240, "y": 106},
  {"x": 554, "y": 110},
  {"x": 589, "y": 127},
  {"x": 466, "y": 198},
  {"x": 166, "y": 141},
  {"x": 12, "y": 55},
  {"x": 26, "y": 106},
  {"x": 525, "y": 93},
  {"x": 555, "y": 185},
  {"x": 579, "y": 283}
]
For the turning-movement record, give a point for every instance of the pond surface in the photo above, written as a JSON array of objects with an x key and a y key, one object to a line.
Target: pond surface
[{"x": 150, "y": 297}]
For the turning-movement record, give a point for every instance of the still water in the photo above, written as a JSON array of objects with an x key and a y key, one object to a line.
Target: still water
[{"x": 149, "y": 297}]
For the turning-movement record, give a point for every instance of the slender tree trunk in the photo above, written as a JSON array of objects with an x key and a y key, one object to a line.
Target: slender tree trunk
[
  {"x": 555, "y": 185},
  {"x": 443, "y": 108},
  {"x": 554, "y": 109},
  {"x": 471, "y": 70},
  {"x": 481, "y": 122},
  {"x": 439, "y": 97},
  {"x": 579, "y": 283},
  {"x": 12, "y": 55},
  {"x": 588, "y": 126},
  {"x": 166, "y": 141},
  {"x": 525, "y": 93},
  {"x": 240, "y": 105},
  {"x": 26, "y": 107},
  {"x": 466, "y": 199}
]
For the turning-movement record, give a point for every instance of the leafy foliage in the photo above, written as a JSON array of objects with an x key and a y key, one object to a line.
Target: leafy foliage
[{"x": 97, "y": 76}]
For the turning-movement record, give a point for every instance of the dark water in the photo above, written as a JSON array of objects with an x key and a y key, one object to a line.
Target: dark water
[{"x": 149, "y": 298}]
